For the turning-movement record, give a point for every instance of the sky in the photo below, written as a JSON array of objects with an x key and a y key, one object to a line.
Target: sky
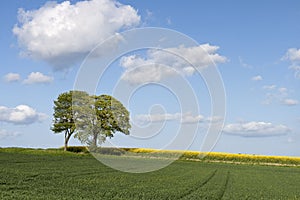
[{"x": 208, "y": 75}]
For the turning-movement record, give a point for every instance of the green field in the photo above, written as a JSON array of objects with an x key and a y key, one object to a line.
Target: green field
[{"x": 40, "y": 174}]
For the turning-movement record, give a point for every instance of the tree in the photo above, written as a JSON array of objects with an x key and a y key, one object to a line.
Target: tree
[
  {"x": 100, "y": 117},
  {"x": 63, "y": 114}
]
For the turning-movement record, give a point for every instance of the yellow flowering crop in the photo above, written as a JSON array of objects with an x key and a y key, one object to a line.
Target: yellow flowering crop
[{"x": 216, "y": 156}]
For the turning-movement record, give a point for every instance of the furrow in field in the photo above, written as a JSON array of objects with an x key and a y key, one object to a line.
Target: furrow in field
[
  {"x": 198, "y": 186},
  {"x": 225, "y": 185}
]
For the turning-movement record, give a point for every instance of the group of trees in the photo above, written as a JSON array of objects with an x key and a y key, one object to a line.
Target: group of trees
[{"x": 90, "y": 118}]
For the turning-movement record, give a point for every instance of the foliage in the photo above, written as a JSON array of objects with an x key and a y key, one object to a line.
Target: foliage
[
  {"x": 46, "y": 174},
  {"x": 108, "y": 151},
  {"x": 77, "y": 149},
  {"x": 99, "y": 117},
  {"x": 90, "y": 118},
  {"x": 63, "y": 118}
]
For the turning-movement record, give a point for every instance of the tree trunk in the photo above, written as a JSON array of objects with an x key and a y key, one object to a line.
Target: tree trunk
[
  {"x": 95, "y": 140},
  {"x": 67, "y": 138},
  {"x": 66, "y": 145}
]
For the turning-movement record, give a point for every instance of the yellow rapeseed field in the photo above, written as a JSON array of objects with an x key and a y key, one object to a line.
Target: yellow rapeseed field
[{"x": 216, "y": 156}]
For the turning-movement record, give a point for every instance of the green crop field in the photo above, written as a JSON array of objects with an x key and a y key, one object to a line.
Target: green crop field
[{"x": 40, "y": 174}]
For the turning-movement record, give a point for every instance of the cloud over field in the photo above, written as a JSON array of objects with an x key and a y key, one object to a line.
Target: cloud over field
[
  {"x": 290, "y": 102},
  {"x": 21, "y": 115},
  {"x": 6, "y": 134},
  {"x": 293, "y": 56},
  {"x": 12, "y": 77},
  {"x": 185, "y": 118},
  {"x": 37, "y": 77},
  {"x": 257, "y": 78},
  {"x": 61, "y": 33},
  {"x": 256, "y": 129},
  {"x": 159, "y": 64},
  {"x": 279, "y": 94}
]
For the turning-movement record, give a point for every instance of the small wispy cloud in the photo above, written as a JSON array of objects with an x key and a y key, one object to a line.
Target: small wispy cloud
[
  {"x": 290, "y": 102},
  {"x": 8, "y": 134},
  {"x": 185, "y": 118},
  {"x": 256, "y": 129},
  {"x": 37, "y": 77},
  {"x": 12, "y": 77},
  {"x": 293, "y": 56},
  {"x": 214, "y": 119},
  {"x": 283, "y": 90},
  {"x": 244, "y": 64},
  {"x": 269, "y": 87},
  {"x": 257, "y": 78},
  {"x": 279, "y": 95},
  {"x": 169, "y": 21}
]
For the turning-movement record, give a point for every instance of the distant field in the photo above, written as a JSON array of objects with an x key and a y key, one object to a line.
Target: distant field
[
  {"x": 52, "y": 174},
  {"x": 218, "y": 157}
]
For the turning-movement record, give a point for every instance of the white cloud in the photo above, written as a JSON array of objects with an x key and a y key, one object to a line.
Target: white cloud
[
  {"x": 257, "y": 78},
  {"x": 12, "y": 77},
  {"x": 157, "y": 117},
  {"x": 279, "y": 95},
  {"x": 290, "y": 102},
  {"x": 60, "y": 33},
  {"x": 297, "y": 70},
  {"x": 283, "y": 90},
  {"x": 169, "y": 21},
  {"x": 21, "y": 114},
  {"x": 256, "y": 129},
  {"x": 245, "y": 65},
  {"x": 37, "y": 77},
  {"x": 186, "y": 118},
  {"x": 293, "y": 56},
  {"x": 269, "y": 99},
  {"x": 6, "y": 134},
  {"x": 269, "y": 87},
  {"x": 147, "y": 73},
  {"x": 159, "y": 64},
  {"x": 214, "y": 119}
]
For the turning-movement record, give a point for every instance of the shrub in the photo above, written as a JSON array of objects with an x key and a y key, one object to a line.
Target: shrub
[
  {"x": 77, "y": 149},
  {"x": 107, "y": 150}
]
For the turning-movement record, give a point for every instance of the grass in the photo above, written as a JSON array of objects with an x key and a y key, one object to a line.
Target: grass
[
  {"x": 192, "y": 155},
  {"x": 54, "y": 174}
]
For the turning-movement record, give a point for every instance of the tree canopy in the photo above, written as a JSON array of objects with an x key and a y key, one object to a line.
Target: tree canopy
[
  {"x": 63, "y": 119},
  {"x": 99, "y": 118},
  {"x": 90, "y": 118}
]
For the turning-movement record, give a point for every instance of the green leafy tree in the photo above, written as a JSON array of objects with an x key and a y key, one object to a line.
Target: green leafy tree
[
  {"x": 63, "y": 116},
  {"x": 100, "y": 117}
]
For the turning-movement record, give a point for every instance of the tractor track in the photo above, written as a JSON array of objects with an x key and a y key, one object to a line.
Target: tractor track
[{"x": 200, "y": 185}]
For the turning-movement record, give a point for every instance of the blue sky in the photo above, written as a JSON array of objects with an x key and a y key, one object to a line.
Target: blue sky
[{"x": 255, "y": 46}]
